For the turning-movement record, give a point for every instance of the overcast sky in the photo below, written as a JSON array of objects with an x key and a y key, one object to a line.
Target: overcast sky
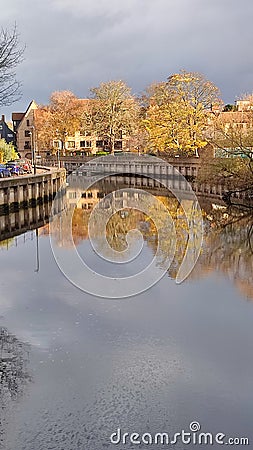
[{"x": 76, "y": 44}]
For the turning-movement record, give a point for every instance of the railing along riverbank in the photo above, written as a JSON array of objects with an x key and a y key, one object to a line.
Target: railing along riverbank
[
  {"x": 27, "y": 191},
  {"x": 148, "y": 166},
  {"x": 140, "y": 163}
]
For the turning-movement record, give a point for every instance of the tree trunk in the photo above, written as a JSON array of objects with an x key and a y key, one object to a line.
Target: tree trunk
[
  {"x": 63, "y": 147},
  {"x": 112, "y": 146}
]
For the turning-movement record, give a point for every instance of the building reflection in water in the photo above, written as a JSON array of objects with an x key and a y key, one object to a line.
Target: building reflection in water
[{"x": 228, "y": 238}]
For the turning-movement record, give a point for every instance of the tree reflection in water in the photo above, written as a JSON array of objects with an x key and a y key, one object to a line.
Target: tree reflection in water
[{"x": 227, "y": 247}]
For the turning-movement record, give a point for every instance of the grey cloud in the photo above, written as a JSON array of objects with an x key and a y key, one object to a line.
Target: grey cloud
[{"x": 76, "y": 44}]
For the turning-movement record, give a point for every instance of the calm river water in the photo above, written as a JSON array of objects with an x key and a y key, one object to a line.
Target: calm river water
[{"x": 75, "y": 367}]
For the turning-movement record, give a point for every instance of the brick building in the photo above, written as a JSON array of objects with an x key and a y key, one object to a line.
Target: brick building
[{"x": 82, "y": 142}]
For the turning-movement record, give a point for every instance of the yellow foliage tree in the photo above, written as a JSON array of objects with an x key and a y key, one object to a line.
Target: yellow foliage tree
[
  {"x": 7, "y": 151},
  {"x": 176, "y": 116},
  {"x": 113, "y": 112}
]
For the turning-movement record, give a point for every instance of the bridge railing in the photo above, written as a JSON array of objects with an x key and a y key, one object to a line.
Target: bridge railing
[{"x": 187, "y": 166}]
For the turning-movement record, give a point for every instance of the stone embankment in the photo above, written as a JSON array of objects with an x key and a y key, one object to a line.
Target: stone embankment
[{"x": 29, "y": 190}]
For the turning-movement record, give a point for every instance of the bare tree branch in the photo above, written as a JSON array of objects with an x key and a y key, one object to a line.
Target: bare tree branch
[{"x": 11, "y": 54}]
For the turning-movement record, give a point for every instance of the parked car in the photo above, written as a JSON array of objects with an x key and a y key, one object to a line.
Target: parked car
[
  {"x": 25, "y": 164},
  {"x": 15, "y": 169},
  {"x": 4, "y": 172}
]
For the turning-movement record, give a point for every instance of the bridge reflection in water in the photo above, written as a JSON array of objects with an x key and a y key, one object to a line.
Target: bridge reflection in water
[
  {"x": 228, "y": 240},
  {"x": 228, "y": 235}
]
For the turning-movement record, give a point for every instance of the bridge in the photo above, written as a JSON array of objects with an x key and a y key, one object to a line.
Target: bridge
[
  {"x": 147, "y": 167},
  {"x": 143, "y": 163}
]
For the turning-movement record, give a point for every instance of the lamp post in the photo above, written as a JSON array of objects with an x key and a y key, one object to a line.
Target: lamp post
[
  {"x": 33, "y": 149},
  {"x": 58, "y": 155},
  {"x": 64, "y": 143},
  {"x": 58, "y": 150}
]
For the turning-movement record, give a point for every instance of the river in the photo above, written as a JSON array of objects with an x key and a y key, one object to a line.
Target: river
[{"x": 77, "y": 367}]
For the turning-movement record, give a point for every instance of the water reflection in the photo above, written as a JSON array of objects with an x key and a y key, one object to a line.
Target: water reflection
[
  {"x": 227, "y": 246},
  {"x": 19, "y": 222},
  {"x": 228, "y": 241},
  {"x": 229, "y": 250},
  {"x": 14, "y": 375},
  {"x": 14, "y": 357},
  {"x": 152, "y": 363}
]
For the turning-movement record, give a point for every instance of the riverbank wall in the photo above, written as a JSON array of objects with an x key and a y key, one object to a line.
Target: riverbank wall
[{"x": 28, "y": 191}]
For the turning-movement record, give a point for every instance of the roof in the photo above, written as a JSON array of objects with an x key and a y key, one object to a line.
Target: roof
[
  {"x": 17, "y": 116},
  {"x": 236, "y": 116},
  {"x": 32, "y": 105}
]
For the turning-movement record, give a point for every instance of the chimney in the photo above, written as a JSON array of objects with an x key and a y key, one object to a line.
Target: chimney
[{"x": 3, "y": 118}]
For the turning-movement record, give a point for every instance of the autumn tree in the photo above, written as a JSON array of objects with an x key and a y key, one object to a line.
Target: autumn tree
[
  {"x": 7, "y": 151},
  {"x": 155, "y": 94},
  {"x": 43, "y": 128},
  {"x": 176, "y": 116},
  {"x": 113, "y": 111},
  {"x": 10, "y": 56},
  {"x": 194, "y": 89},
  {"x": 168, "y": 129},
  {"x": 59, "y": 119}
]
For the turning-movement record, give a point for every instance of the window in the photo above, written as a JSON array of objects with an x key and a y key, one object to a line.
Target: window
[
  {"x": 72, "y": 195},
  {"x": 56, "y": 144},
  {"x": 85, "y": 133},
  {"x": 71, "y": 144},
  {"x": 27, "y": 145},
  {"x": 239, "y": 126},
  {"x": 85, "y": 144},
  {"x": 89, "y": 194},
  {"x": 118, "y": 145},
  {"x": 28, "y": 123},
  {"x": 27, "y": 133},
  {"x": 99, "y": 143},
  {"x": 87, "y": 206},
  {"x": 84, "y": 195}
]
